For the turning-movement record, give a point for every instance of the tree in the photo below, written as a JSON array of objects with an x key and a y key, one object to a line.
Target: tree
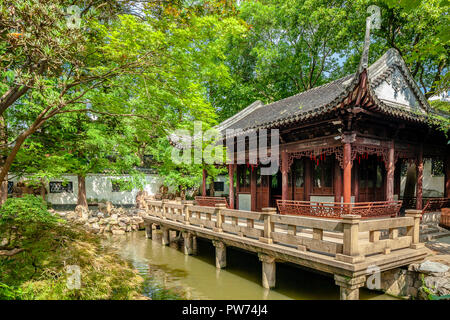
[
  {"x": 151, "y": 70},
  {"x": 48, "y": 66},
  {"x": 292, "y": 46}
]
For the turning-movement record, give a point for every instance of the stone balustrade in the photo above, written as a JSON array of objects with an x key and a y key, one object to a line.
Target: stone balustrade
[
  {"x": 340, "y": 238},
  {"x": 344, "y": 243}
]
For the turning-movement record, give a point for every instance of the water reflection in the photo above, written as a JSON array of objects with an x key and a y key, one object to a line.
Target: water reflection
[{"x": 196, "y": 277}]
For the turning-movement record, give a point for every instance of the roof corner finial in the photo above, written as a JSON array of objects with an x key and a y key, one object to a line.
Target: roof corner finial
[{"x": 372, "y": 21}]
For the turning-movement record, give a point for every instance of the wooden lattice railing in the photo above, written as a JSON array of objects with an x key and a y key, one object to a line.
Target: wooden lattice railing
[
  {"x": 335, "y": 210},
  {"x": 410, "y": 202},
  {"x": 436, "y": 204},
  {"x": 336, "y": 237},
  {"x": 210, "y": 201}
]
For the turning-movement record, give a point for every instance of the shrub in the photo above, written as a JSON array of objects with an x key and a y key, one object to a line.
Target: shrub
[{"x": 49, "y": 245}]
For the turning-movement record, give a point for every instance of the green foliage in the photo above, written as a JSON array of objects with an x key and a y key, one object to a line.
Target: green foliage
[
  {"x": 441, "y": 115},
  {"x": 49, "y": 245}
]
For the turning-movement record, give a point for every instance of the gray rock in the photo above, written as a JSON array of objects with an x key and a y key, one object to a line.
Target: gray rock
[
  {"x": 429, "y": 267},
  {"x": 93, "y": 220}
]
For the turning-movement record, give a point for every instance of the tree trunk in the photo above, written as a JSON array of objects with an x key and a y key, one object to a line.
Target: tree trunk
[
  {"x": 3, "y": 156},
  {"x": 410, "y": 182},
  {"x": 82, "y": 200},
  {"x": 211, "y": 188},
  {"x": 42, "y": 190}
]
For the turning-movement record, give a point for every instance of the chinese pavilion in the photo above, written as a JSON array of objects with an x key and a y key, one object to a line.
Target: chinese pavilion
[{"x": 343, "y": 141}]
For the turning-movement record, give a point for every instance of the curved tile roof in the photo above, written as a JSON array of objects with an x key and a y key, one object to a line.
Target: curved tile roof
[{"x": 320, "y": 100}]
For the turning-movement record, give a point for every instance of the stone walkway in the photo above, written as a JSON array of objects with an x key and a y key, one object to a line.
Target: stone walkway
[{"x": 440, "y": 247}]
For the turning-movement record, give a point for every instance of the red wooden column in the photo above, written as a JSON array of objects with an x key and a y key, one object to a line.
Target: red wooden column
[
  {"x": 308, "y": 179},
  {"x": 356, "y": 181},
  {"x": 204, "y": 183},
  {"x": 337, "y": 182},
  {"x": 447, "y": 176},
  {"x": 347, "y": 157},
  {"x": 398, "y": 177},
  {"x": 237, "y": 186},
  {"x": 419, "y": 169},
  {"x": 253, "y": 188},
  {"x": 284, "y": 175},
  {"x": 390, "y": 173},
  {"x": 231, "y": 182}
]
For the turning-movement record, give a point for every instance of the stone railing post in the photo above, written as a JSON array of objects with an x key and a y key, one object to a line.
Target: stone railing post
[
  {"x": 219, "y": 217},
  {"x": 414, "y": 230},
  {"x": 164, "y": 208},
  {"x": 187, "y": 214},
  {"x": 350, "y": 251},
  {"x": 268, "y": 224}
]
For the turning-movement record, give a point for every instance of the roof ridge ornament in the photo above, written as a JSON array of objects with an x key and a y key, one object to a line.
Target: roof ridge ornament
[{"x": 372, "y": 21}]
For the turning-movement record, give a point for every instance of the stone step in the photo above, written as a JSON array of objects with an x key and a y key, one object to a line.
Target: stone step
[
  {"x": 434, "y": 236},
  {"x": 428, "y": 231}
]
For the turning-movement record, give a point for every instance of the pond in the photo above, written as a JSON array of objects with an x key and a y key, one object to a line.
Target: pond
[{"x": 196, "y": 277}]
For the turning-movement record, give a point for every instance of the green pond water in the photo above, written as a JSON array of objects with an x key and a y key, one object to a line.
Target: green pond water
[{"x": 196, "y": 277}]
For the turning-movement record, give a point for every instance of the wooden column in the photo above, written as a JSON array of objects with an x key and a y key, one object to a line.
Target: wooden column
[
  {"x": 237, "y": 186},
  {"x": 447, "y": 176},
  {"x": 398, "y": 177},
  {"x": 204, "y": 183},
  {"x": 390, "y": 173},
  {"x": 337, "y": 182},
  {"x": 356, "y": 181},
  {"x": 347, "y": 172},
  {"x": 284, "y": 175},
  {"x": 253, "y": 188},
  {"x": 308, "y": 179},
  {"x": 231, "y": 182},
  {"x": 419, "y": 169}
]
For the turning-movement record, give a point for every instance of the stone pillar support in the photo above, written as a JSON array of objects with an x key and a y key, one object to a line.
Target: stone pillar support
[
  {"x": 165, "y": 236},
  {"x": 187, "y": 243},
  {"x": 149, "y": 230},
  {"x": 349, "y": 287},
  {"x": 268, "y": 270},
  {"x": 221, "y": 254}
]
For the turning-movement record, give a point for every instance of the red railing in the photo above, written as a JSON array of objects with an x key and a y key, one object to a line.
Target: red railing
[
  {"x": 335, "y": 210},
  {"x": 436, "y": 204},
  {"x": 210, "y": 201}
]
